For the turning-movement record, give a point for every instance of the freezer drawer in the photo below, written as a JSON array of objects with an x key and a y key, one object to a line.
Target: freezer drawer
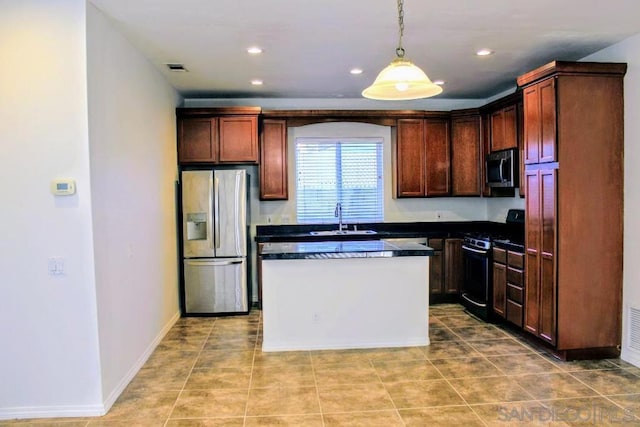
[{"x": 215, "y": 286}]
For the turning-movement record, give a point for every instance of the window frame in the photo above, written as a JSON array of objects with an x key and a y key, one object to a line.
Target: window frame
[{"x": 340, "y": 167}]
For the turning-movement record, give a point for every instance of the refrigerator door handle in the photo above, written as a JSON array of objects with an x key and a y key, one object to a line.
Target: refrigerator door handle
[
  {"x": 211, "y": 215},
  {"x": 237, "y": 216},
  {"x": 216, "y": 212},
  {"x": 212, "y": 263}
]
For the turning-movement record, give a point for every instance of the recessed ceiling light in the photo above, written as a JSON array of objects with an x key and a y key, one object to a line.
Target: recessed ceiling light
[
  {"x": 356, "y": 71},
  {"x": 257, "y": 82},
  {"x": 439, "y": 82},
  {"x": 175, "y": 67},
  {"x": 254, "y": 50},
  {"x": 484, "y": 52}
]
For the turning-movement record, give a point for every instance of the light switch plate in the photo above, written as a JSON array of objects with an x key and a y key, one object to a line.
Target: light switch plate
[{"x": 55, "y": 266}]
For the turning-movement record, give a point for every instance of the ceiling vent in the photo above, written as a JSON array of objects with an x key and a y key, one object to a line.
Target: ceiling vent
[{"x": 178, "y": 68}]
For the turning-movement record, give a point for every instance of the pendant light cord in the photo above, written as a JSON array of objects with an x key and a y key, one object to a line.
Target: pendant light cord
[{"x": 400, "y": 49}]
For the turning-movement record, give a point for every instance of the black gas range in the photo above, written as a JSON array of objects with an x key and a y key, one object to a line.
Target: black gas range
[{"x": 477, "y": 285}]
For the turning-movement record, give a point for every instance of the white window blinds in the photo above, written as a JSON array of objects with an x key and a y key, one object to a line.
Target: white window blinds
[{"x": 346, "y": 171}]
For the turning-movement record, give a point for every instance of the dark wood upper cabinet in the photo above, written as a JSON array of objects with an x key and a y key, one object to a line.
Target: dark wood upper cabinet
[
  {"x": 504, "y": 128},
  {"x": 410, "y": 158},
  {"x": 510, "y": 126},
  {"x": 238, "y": 139},
  {"x": 273, "y": 161},
  {"x": 540, "y": 122},
  {"x": 497, "y": 130},
  {"x": 197, "y": 140},
  {"x": 217, "y": 135},
  {"x": 438, "y": 162},
  {"x": 466, "y": 157},
  {"x": 485, "y": 122},
  {"x": 422, "y": 157}
]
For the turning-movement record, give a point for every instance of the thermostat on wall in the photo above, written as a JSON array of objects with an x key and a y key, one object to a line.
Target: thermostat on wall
[{"x": 63, "y": 187}]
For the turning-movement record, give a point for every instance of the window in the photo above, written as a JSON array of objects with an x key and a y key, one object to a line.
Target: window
[{"x": 346, "y": 171}]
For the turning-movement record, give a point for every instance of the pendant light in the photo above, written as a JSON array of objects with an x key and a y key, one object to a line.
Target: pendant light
[{"x": 401, "y": 80}]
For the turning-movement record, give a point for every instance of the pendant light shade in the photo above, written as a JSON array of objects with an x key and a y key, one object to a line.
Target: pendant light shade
[{"x": 401, "y": 80}]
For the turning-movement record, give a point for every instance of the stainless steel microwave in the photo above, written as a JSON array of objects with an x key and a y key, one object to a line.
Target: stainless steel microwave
[{"x": 502, "y": 168}]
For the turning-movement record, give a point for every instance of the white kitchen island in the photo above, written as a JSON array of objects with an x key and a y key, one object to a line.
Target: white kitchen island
[{"x": 350, "y": 294}]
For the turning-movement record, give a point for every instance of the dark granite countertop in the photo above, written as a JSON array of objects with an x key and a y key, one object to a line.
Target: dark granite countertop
[
  {"x": 343, "y": 249},
  {"x": 384, "y": 230},
  {"x": 508, "y": 245}
]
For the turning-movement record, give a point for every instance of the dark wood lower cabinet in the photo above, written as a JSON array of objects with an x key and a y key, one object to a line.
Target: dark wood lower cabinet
[
  {"x": 436, "y": 268},
  {"x": 453, "y": 266},
  {"x": 445, "y": 271},
  {"x": 499, "y": 284},
  {"x": 508, "y": 285},
  {"x": 540, "y": 307}
]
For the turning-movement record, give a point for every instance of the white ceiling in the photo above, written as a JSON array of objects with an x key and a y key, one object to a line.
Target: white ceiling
[{"x": 310, "y": 45}]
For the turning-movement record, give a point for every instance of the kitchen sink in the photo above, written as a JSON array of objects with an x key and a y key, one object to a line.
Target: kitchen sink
[{"x": 341, "y": 232}]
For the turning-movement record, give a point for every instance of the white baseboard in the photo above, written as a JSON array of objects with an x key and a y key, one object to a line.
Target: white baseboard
[
  {"x": 420, "y": 342},
  {"x": 630, "y": 356},
  {"x": 89, "y": 410},
  {"x": 124, "y": 382},
  {"x": 51, "y": 412}
]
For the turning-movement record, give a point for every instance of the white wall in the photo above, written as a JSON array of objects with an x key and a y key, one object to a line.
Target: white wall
[
  {"x": 629, "y": 51},
  {"x": 133, "y": 172},
  {"x": 497, "y": 207},
  {"x": 49, "y": 360}
]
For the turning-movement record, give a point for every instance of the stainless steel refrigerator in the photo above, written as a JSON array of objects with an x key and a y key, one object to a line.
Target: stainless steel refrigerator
[{"x": 214, "y": 234}]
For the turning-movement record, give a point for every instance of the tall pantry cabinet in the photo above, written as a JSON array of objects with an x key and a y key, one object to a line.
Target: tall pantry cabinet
[{"x": 573, "y": 156}]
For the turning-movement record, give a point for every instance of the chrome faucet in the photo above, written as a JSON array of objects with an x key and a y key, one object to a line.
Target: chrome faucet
[{"x": 338, "y": 214}]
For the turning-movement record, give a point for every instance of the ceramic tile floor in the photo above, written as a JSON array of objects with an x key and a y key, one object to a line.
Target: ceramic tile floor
[{"x": 211, "y": 372}]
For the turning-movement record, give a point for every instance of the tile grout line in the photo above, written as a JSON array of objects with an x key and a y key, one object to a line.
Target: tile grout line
[
  {"x": 458, "y": 393},
  {"x": 592, "y": 388},
  {"x": 204, "y": 343},
  {"x": 386, "y": 390},
  {"x": 486, "y": 358},
  {"x": 253, "y": 364},
  {"x": 315, "y": 382},
  {"x": 545, "y": 402}
]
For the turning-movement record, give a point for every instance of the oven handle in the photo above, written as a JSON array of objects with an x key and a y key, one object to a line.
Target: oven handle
[
  {"x": 478, "y": 251},
  {"x": 466, "y": 298}
]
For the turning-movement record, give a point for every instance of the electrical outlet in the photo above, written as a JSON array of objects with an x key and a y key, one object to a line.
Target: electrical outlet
[{"x": 269, "y": 219}]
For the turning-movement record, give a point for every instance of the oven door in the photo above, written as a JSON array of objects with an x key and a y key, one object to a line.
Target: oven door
[{"x": 477, "y": 280}]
